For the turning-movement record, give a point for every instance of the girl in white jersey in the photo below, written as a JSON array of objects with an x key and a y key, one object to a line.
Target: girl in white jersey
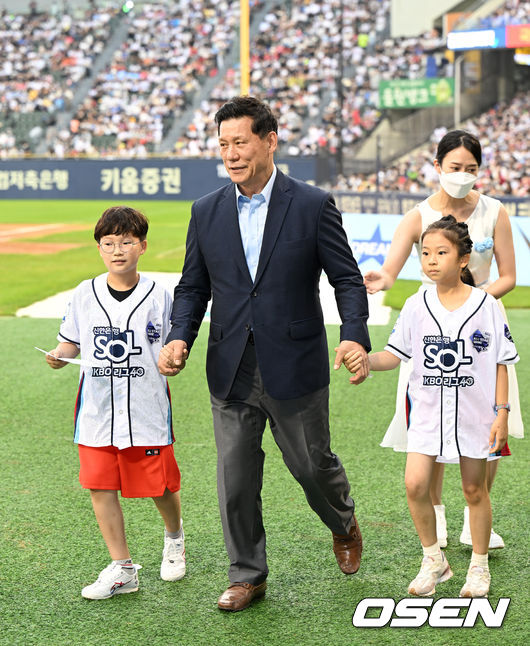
[
  {"x": 458, "y": 159},
  {"x": 458, "y": 394}
]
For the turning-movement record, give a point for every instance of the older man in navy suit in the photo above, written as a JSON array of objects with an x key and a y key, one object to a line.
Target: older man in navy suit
[{"x": 258, "y": 247}]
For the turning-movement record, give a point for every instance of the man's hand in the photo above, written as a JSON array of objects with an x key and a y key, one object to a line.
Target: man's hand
[
  {"x": 351, "y": 348},
  {"x": 172, "y": 358}
]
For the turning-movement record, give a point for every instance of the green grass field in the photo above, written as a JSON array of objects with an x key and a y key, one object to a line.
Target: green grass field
[
  {"x": 26, "y": 278},
  {"x": 50, "y": 546}
]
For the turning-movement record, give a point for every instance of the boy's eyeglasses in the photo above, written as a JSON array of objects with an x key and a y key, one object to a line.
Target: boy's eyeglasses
[{"x": 124, "y": 247}]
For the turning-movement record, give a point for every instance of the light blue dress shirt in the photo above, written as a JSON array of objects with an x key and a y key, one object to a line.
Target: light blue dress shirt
[{"x": 252, "y": 217}]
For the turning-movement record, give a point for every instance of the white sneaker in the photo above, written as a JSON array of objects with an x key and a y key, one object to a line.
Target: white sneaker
[
  {"x": 432, "y": 571},
  {"x": 114, "y": 579},
  {"x": 495, "y": 543},
  {"x": 477, "y": 582},
  {"x": 173, "y": 566},
  {"x": 441, "y": 525}
]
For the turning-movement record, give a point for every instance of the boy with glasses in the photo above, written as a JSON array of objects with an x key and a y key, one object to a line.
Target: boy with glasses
[{"x": 123, "y": 423}]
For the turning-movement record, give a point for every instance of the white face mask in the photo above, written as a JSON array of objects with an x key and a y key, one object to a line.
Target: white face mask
[{"x": 457, "y": 185}]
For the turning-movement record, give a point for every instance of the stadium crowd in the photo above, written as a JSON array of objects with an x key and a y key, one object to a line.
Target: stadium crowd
[
  {"x": 295, "y": 66},
  {"x": 506, "y": 156},
  {"x": 172, "y": 47},
  {"x": 42, "y": 59},
  {"x": 512, "y": 12}
]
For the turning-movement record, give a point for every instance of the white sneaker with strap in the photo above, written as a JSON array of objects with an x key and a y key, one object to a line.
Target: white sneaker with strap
[
  {"x": 114, "y": 579},
  {"x": 432, "y": 571},
  {"x": 173, "y": 566},
  {"x": 477, "y": 583}
]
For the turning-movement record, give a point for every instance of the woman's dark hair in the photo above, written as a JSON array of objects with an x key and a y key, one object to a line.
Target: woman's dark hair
[
  {"x": 458, "y": 234},
  {"x": 263, "y": 120},
  {"x": 456, "y": 139},
  {"x": 119, "y": 220}
]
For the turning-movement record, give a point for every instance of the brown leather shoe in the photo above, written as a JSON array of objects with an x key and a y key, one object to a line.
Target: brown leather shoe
[
  {"x": 348, "y": 549},
  {"x": 238, "y": 596}
]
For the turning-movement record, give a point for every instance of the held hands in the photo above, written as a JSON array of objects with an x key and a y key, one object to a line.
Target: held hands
[
  {"x": 354, "y": 361},
  {"x": 499, "y": 431},
  {"x": 172, "y": 358},
  {"x": 345, "y": 353}
]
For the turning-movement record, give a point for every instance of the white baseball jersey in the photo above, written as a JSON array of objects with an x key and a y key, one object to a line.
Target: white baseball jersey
[
  {"x": 452, "y": 386},
  {"x": 123, "y": 400}
]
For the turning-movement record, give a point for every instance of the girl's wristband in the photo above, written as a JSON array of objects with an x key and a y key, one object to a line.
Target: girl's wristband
[{"x": 501, "y": 406}]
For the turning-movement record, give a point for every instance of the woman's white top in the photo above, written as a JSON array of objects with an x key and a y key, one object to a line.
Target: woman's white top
[{"x": 481, "y": 224}]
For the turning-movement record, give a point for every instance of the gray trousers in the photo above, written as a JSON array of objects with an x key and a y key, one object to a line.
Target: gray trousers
[{"x": 300, "y": 428}]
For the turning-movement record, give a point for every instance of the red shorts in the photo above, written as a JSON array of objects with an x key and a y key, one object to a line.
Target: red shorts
[{"x": 139, "y": 471}]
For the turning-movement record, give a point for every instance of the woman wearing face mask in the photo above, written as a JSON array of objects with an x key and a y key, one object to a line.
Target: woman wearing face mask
[{"x": 458, "y": 159}]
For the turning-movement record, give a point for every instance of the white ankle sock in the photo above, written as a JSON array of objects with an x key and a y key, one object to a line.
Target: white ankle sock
[
  {"x": 126, "y": 564},
  {"x": 174, "y": 534},
  {"x": 480, "y": 560},
  {"x": 433, "y": 551}
]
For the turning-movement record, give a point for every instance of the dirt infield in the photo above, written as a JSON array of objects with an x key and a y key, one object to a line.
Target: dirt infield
[{"x": 11, "y": 234}]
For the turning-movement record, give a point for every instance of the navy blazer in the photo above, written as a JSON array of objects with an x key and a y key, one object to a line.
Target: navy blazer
[{"x": 303, "y": 235}]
